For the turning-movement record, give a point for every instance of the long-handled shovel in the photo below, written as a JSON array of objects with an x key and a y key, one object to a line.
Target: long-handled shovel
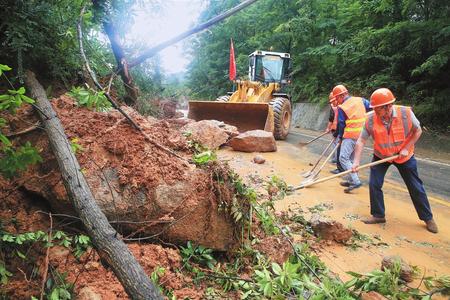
[
  {"x": 316, "y": 173},
  {"x": 301, "y": 186},
  {"x": 310, "y": 172},
  {"x": 302, "y": 144}
]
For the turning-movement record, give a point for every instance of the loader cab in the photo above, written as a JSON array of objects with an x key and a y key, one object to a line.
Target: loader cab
[{"x": 269, "y": 67}]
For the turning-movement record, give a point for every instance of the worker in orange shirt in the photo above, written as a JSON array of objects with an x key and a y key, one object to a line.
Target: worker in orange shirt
[
  {"x": 351, "y": 117},
  {"x": 394, "y": 129},
  {"x": 332, "y": 128}
]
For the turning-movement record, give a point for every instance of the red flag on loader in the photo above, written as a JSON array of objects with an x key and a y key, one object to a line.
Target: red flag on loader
[{"x": 232, "y": 69}]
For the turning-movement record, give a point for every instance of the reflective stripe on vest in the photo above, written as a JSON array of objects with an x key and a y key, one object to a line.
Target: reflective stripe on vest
[
  {"x": 355, "y": 110},
  {"x": 335, "y": 120},
  {"x": 388, "y": 142}
]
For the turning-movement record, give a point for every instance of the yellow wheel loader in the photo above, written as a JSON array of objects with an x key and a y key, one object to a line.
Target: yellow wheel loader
[{"x": 258, "y": 103}]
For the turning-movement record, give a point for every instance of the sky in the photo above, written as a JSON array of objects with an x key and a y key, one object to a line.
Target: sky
[{"x": 175, "y": 17}]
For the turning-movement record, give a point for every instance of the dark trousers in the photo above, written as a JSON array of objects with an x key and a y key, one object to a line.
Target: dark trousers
[{"x": 408, "y": 171}]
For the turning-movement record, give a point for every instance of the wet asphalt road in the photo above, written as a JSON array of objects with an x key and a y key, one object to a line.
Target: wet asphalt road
[{"x": 435, "y": 175}]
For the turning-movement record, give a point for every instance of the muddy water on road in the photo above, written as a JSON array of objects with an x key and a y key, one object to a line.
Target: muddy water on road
[{"x": 403, "y": 235}]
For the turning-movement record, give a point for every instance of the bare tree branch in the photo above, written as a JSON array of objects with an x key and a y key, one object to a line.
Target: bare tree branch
[{"x": 152, "y": 51}]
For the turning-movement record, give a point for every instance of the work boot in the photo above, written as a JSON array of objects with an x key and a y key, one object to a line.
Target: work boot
[
  {"x": 431, "y": 226},
  {"x": 336, "y": 171},
  {"x": 345, "y": 183},
  {"x": 374, "y": 220},
  {"x": 351, "y": 187}
]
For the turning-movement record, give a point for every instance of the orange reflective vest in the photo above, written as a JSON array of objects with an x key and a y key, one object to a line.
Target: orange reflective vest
[
  {"x": 335, "y": 120},
  {"x": 388, "y": 143},
  {"x": 356, "y": 116}
]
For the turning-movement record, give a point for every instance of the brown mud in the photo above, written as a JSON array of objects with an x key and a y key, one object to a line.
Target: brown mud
[{"x": 144, "y": 189}]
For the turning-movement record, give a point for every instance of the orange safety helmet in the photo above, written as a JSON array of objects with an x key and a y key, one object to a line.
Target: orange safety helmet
[
  {"x": 339, "y": 90},
  {"x": 381, "y": 97},
  {"x": 331, "y": 98}
]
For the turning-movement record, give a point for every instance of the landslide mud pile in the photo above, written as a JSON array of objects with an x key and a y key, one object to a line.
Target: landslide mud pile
[
  {"x": 20, "y": 213},
  {"x": 143, "y": 190}
]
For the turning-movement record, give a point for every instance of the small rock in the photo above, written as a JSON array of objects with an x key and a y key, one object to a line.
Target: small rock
[
  {"x": 259, "y": 159},
  {"x": 273, "y": 190},
  {"x": 92, "y": 265},
  {"x": 372, "y": 296},
  {"x": 330, "y": 230},
  {"x": 178, "y": 114},
  {"x": 58, "y": 255},
  {"x": 87, "y": 293},
  {"x": 406, "y": 271}
]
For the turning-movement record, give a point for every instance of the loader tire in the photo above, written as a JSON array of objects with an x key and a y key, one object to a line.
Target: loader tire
[
  {"x": 282, "y": 117},
  {"x": 224, "y": 98}
]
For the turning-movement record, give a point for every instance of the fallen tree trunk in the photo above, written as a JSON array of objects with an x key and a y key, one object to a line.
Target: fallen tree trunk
[{"x": 131, "y": 275}]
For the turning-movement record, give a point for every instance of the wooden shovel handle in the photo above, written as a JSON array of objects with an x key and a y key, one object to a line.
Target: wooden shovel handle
[
  {"x": 316, "y": 138},
  {"x": 322, "y": 154},
  {"x": 374, "y": 163},
  {"x": 326, "y": 160}
]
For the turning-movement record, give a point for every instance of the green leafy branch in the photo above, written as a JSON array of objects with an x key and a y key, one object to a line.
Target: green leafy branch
[
  {"x": 75, "y": 147},
  {"x": 202, "y": 155},
  {"x": 91, "y": 99},
  {"x": 198, "y": 254},
  {"x": 11, "y": 159},
  {"x": 277, "y": 188},
  {"x": 79, "y": 243},
  {"x": 4, "y": 274}
]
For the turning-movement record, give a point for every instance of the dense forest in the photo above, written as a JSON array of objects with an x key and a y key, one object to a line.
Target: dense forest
[
  {"x": 42, "y": 36},
  {"x": 402, "y": 45}
]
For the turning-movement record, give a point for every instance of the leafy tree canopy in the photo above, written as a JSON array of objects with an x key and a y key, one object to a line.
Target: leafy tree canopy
[{"x": 401, "y": 45}]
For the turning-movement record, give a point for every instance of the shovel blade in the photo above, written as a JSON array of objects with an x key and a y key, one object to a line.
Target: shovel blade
[
  {"x": 309, "y": 180},
  {"x": 306, "y": 174}
]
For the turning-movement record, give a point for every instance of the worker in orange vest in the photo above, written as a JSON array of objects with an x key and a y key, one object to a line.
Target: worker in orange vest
[
  {"x": 332, "y": 119},
  {"x": 394, "y": 129},
  {"x": 351, "y": 117},
  {"x": 332, "y": 127}
]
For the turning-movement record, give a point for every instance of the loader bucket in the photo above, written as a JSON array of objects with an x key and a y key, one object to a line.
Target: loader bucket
[{"x": 245, "y": 116}]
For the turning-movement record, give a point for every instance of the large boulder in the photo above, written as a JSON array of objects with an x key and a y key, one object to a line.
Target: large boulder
[
  {"x": 143, "y": 190},
  {"x": 209, "y": 133},
  {"x": 254, "y": 141},
  {"x": 330, "y": 230}
]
